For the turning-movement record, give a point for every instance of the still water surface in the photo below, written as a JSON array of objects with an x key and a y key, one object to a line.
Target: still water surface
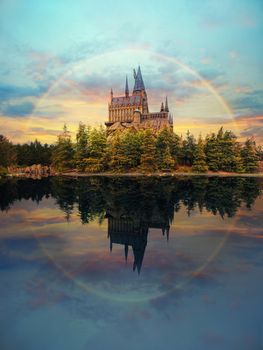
[{"x": 131, "y": 263}]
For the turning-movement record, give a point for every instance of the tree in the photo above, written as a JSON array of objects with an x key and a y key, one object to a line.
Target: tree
[
  {"x": 96, "y": 161},
  {"x": 188, "y": 149},
  {"x": 212, "y": 152},
  {"x": 148, "y": 156},
  {"x": 230, "y": 152},
  {"x": 163, "y": 144},
  {"x": 7, "y": 152},
  {"x": 63, "y": 153},
  {"x": 117, "y": 158},
  {"x": 175, "y": 145},
  {"x": 81, "y": 148},
  {"x": 132, "y": 148},
  {"x": 199, "y": 161},
  {"x": 167, "y": 160},
  {"x": 34, "y": 153},
  {"x": 250, "y": 156}
]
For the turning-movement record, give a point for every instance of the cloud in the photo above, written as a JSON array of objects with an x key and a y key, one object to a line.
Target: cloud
[
  {"x": 256, "y": 131},
  {"x": 8, "y": 92},
  {"x": 17, "y": 110},
  {"x": 250, "y": 103}
]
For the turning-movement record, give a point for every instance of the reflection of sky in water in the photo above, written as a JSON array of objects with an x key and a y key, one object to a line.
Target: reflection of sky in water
[{"x": 105, "y": 305}]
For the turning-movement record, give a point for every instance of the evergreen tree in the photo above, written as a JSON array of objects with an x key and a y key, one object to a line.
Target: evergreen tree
[
  {"x": 228, "y": 150},
  {"x": 164, "y": 143},
  {"x": 168, "y": 162},
  {"x": 212, "y": 152},
  {"x": 199, "y": 161},
  {"x": 7, "y": 152},
  {"x": 117, "y": 158},
  {"x": 188, "y": 149},
  {"x": 132, "y": 148},
  {"x": 250, "y": 156},
  {"x": 81, "y": 148},
  {"x": 62, "y": 157},
  {"x": 148, "y": 156},
  {"x": 97, "y": 150},
  {"x": 175, "y": 144}
]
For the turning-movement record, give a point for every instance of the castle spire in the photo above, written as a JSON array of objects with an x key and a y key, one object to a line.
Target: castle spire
[
  {"x": 126, "y": 87},
  {"x": 162, "y": 107},
  {"x": 139, "y": 84},
  {"x": 126, "y": 252},
  {"x": 166, "y": 105},
  {"x": 111, "y": 93}
]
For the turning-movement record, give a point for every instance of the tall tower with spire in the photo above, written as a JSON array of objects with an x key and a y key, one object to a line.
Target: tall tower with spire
[
  {"x": 133, "y": 110},
  {"x": 127, "y": 93}
]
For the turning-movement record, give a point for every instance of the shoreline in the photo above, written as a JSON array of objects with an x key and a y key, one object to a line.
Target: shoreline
[{"x": 76, "y": 174}]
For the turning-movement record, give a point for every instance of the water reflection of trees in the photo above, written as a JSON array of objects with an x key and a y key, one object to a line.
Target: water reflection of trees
[{"x": 135, "y": 197}]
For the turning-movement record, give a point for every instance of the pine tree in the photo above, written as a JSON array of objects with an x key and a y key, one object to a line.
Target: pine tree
[
  {"x": 97, "y": 150},
  {"x": 175, "y": 143},
  {"x": 148, "y": 156},
  {"x": 188, "y": 149},
  {"x": 165, "y": 144},
  {"x": 168, "y": 162},
  {"x": 250, "y": 156},
  {"x": 81, "y": 148},
  {"x": 62, "y": 156},
  {"x": 7, "y": 152},
  {"x": 212, "y": 152},
  {"x": 199, "y": 161},
  {"x": 117, "y": 158},
  {"x": 229, "y": 149},
  {"x": 132, "y": 148}
]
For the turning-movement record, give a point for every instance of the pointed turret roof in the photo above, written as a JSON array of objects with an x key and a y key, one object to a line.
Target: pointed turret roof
[
  {"x": 162, "y": 107},
  {"x": 166, "y": 105},
  {"x": 126, "y": 249},
  {"x": 139, "y": 84},
  {"x": 126, "y": 87}
]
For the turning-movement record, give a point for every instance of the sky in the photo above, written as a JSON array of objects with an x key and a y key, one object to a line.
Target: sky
[{"x": 60, "y": 58}]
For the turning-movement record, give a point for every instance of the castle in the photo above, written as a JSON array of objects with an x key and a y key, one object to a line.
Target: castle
[{"x": 132, "y": 111}]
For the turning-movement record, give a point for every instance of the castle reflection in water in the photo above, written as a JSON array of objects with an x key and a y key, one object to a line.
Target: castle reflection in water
[
  {"x": 133, "y": 232},
  {"x": 133, "y": 206}
]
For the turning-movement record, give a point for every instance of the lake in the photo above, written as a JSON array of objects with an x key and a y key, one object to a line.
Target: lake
[{"x": 131, "y": 263}]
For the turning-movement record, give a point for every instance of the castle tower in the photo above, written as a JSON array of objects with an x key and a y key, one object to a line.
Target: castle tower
[
  {"x": 166, "y": 108},
  {"x": 127, "y": 88}
]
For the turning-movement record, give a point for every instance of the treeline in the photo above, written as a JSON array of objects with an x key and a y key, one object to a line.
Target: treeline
[
  {"x": 24, "y": 154},
  {"x": 145, "y": 151},
  {"x": 129, "y": 151}
]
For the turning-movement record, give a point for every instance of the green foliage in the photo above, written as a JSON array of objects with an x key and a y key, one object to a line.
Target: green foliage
[
  {"x": 116, "y": 154},
  {"x": 3, "y": 171},
  {"x": 132, "y": 147},
  {"x": 63, "y": 153},
  {"x": 133, "y": 150},
  {"x": 81, "y": 147},
  {"x": 7, "y": 152},
  {"x": 148, "y": 156},
  {"x": 199, "y": 161},
  {"x": 230, "y": 152},
  {"x": 167, "y": 149},
  {"x": 213, "y": 152},
  {"x": 96, "y": 162},
  {"x": 223, "y": 152},
  {"x": 188, "y": 149},
  {"x": 250, "y": 156},
  {"x": 34, "y": 153}
]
